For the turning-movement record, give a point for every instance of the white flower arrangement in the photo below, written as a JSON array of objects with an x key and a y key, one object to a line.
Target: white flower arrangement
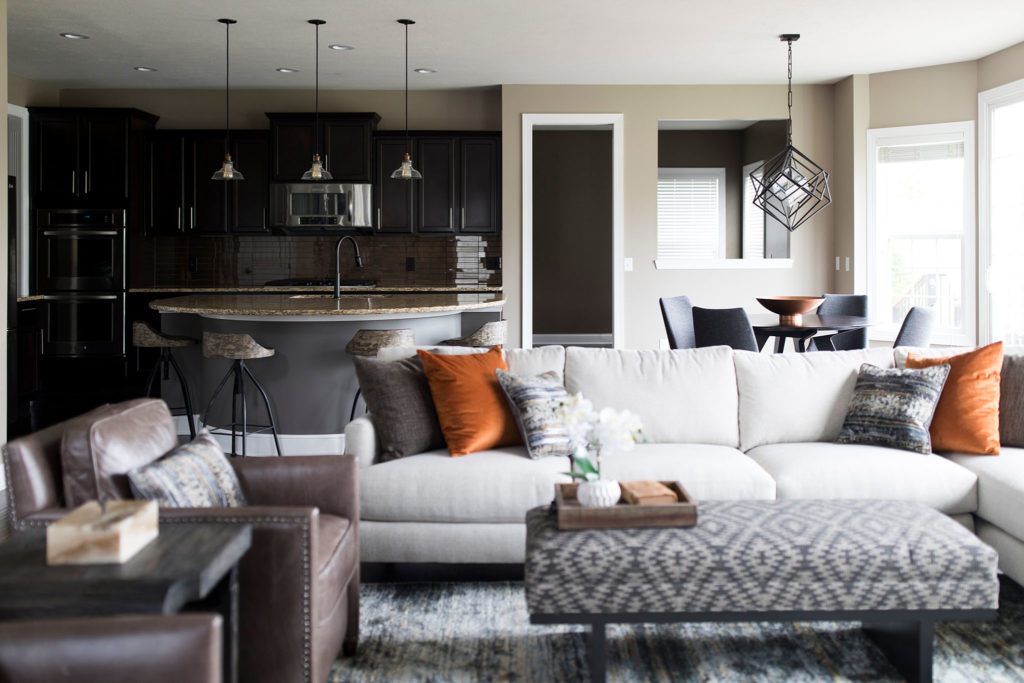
[{"x": 592, "y": 432}]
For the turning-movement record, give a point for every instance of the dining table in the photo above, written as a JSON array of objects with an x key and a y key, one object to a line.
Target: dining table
[{"x": 769, "y": 325}]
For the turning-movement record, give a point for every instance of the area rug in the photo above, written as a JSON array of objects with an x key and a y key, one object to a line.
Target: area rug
[{"x": 481, "y": 632}]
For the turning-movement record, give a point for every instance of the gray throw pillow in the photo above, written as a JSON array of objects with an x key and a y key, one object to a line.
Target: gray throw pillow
[
  {"x": 402, "y": 410},
  {"x": 1011, "y": 401},
  {"x": 894, "y": 408},
  {"x": 533, "y": 401},
  {"x": 195, "y": 475}
]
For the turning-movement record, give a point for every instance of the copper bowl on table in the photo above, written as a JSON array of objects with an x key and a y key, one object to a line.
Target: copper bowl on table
[{"x": 790, "y": 309}]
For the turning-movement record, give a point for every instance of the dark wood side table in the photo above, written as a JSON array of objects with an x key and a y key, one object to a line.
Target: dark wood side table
[
  {"x": 767, "y": 325},
  {"x": 194, "y": 565}
]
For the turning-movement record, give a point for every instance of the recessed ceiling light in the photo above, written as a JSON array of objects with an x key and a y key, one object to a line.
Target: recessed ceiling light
[
  {"x": 286, "y": 70},
  {"x": 74, "y": 36},
  {"x": 337, "y": 46},
  {"x": 145, "y": 69},
  {"x": 423, "y": 70}
]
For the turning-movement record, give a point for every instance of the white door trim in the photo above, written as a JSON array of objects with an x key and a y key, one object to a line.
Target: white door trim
[{"x": 577, "y": 121}]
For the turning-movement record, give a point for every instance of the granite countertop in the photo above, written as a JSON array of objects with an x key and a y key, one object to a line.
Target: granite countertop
[
  {"x": 384, "y": 289},
  {"x": 273, "y": 305},
  {"x": 33, "y": 297}
]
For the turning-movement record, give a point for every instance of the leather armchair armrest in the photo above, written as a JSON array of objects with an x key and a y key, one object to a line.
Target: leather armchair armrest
[{"x": 328, "y": 482}]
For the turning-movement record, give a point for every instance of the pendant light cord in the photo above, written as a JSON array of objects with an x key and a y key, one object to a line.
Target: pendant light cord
[
  {"x": 789, "y": 77},
  {"x": 227, "y": 89},
  {"x": 407, "y": 145},
  {"x": 316, "y": 95}
]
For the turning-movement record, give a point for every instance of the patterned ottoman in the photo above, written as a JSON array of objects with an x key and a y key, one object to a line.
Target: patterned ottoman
[{"x": 896, "y": 566}]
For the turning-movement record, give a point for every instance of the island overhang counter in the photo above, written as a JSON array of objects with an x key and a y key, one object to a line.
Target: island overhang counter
[{"x": 310, "y": 378}]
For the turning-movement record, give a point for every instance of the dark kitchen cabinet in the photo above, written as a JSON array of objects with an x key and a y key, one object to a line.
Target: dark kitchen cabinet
[
  {"x": 345, "y": 145},
  {"x": 182, "y": 198},
  {"x": 460, "y": 192},
  {"x": 82, "y": 157}
]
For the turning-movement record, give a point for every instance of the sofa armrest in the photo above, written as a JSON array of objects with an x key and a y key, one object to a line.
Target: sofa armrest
[
  {"x": 327, "y": 482},
  {"x": 361, "y": 440}
]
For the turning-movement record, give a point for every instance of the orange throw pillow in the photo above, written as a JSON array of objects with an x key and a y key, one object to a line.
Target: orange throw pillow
[
  {"x": 967, "y": 416},
  {"x": 471, "y": 407}
]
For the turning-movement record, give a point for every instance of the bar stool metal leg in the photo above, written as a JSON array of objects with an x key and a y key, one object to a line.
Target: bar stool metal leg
[
  {"x": 266, "y": 402},
  {"x": 184, "y": 391},
  {"x": 355, "y": 400}
]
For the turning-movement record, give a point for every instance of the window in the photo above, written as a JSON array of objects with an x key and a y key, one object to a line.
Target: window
[
  {"x": 753, "y": 217},
  {"x": 1001, "y": 211},
  {"x": 920, "y": 242},
  {"x": 691, "y": 215}
]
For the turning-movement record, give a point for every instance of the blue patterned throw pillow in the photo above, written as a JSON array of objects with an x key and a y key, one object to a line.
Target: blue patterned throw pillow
[
  {"x": 533, "y": 401},
  {"x": 196, "y": 474},
  {"x": 894, "y": 408}
]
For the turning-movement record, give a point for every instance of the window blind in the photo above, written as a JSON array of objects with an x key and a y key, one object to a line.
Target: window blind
[
  {"x": 691, "y": 217},
  {"x": 753, "y": 220},
  {"x": 938, "y": 151}
]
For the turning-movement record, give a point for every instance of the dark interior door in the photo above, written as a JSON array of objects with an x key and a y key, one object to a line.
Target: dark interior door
[
  {"x": 104, "y": 158},
  {"x": 435, "y": 192},
  {"x": 56, "y": 159},
  {"x": 251, "y": 154},
  {"x": 207, "y": 202},
  {"x": 394, "y": 201},
  {"x": 479, "y": 191}
]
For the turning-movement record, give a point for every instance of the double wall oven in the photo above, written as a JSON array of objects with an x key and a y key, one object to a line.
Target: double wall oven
[{"x": 80, "y": 272}]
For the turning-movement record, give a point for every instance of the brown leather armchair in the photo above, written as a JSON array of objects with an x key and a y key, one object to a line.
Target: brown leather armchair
[
  {"x": 299, "y": 582},
  {"x": 124, "y": 649}
]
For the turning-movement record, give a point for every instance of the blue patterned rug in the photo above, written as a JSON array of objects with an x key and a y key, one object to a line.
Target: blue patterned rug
[{"x": 481, "y": 632}]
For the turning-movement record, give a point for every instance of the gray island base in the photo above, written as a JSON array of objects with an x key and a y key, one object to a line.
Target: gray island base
[
  {"x": 310, "y": 378},
  {"x": 898, "y": 567}
]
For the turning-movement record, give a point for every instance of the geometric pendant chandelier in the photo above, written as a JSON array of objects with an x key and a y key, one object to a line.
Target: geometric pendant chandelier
[{"x": 790, "y": 187}]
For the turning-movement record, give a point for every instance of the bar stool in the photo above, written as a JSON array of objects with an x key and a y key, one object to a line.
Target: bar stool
[
  {"x": 490, "y": 334},
  {"x": 239, "y": 348},
  {"x": 144, "y": 336},
  {"x": 369, "y": 342}
]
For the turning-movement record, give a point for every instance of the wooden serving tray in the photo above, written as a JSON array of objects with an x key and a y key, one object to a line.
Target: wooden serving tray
[{"x": 572, "y": 515}]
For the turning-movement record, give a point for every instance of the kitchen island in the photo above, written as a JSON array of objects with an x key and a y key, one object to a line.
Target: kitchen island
[{"x": 310, "y": 379}]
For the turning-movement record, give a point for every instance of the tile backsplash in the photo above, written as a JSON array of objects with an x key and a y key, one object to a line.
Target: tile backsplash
[{"x": 245, "y": 261}]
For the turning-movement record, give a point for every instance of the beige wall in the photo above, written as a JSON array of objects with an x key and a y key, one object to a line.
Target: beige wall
[
  {"x": 1001, "y": 67},
  {"x": 467, "y": 109},
  {"x": 26, "y": 93},
  {"x": 934, "y": 94},
  {"x": 847, "y": 184},
  {"x": 642, "y": 107}
]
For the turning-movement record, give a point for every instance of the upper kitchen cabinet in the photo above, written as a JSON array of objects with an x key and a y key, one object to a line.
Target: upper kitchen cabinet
[
  {"x": 393, "y": 198},
  {"x": 83, "y": 157},
  {"x": 346, "y": 145},
  {"x": 480, "y": 184}
]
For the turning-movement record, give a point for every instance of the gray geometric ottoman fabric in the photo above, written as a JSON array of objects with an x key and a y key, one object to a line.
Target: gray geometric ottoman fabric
[{"x": 779, "y": 555}]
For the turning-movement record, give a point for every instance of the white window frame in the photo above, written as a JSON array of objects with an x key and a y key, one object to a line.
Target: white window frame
[
  {"x": 960, "y": 131},
  {"x": 988, "y": 101},
  {"x": 719, "y": 174},
  {"x": 748, "y": 207}
]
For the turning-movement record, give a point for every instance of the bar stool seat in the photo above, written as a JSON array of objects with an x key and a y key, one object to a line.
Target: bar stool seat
[
  {"x": 369, "y": 342},
  {"x": 239, "y": 348},
  {"x": 145, "y": 336},
  {"x": 490, "y": 334}
]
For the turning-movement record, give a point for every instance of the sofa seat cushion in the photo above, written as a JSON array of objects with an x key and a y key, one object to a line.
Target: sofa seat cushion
[
  {"x": 1000, "y": 487},
  {"x": 706, "y": 471},
  {"x": 681, "y": 396},
  {"x": 835, "y": 471},
  {"x": 497, "y": 485}
]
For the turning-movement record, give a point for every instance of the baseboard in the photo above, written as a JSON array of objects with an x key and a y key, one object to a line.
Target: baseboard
[
  {"x": 429, "y": 572},
  {"x": 260, "y": 445},
  {"x": 596, "y": 339}
]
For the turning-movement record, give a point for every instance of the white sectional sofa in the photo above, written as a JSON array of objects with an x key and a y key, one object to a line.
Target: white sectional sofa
[{"x": 728, "y": 424}]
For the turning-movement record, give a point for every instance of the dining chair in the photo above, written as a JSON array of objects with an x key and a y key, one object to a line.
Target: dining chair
[
  {"x": 677, "y": 312},
  {"x": 723, "y": 326},
  {"x": 842, "y": 304},
  {"x": 917, "y": 327}
]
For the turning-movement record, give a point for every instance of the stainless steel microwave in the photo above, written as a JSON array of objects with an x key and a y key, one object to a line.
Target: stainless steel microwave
[{"x": 321, "y": 208}]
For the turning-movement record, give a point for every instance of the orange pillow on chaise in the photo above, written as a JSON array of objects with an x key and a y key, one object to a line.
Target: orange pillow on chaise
[
  {"x": 967, "y": 417},
  {"x": 470, "y": 405}
]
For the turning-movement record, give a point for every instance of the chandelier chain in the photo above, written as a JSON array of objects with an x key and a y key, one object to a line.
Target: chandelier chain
[{"x": 789, "y": 100}]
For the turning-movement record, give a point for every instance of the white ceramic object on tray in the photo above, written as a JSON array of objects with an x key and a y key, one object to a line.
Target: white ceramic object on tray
[{"x": 598, "y": 494}]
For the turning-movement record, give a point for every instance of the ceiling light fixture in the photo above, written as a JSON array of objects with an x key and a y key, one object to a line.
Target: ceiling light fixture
[
  {"x": 286, "y": 70},
  {"x": 790, "y": 187},
  {"x": 424, "y": 70},
  {"x": 338, "y": 46},
  {"x": 227, "y": 170},
  {"x": 317, "y": 170},
  {"x": 74, "y": 36},
  {"x": 406, "y": 171},
  {"x": 144, "y": 69}
]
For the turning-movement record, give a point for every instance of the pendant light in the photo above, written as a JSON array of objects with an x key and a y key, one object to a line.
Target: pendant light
[
  {"x": 227, "y": 171},
  {"x": 406, "y": 171},
  {"x": 317, "y": 170},
  {"x": 790, "y": 187}
]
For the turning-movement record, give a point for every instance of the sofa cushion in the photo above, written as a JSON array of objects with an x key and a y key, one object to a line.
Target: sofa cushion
[
  {"x": 1000, "y": 487},
  {"x": 194, "y": 475},
  {"x": 681, "y": 396},
  {"x": 707, "y": 472},
  {"x": 520, "y": 361},
  {"x": 833, "y": 471},
  {"x": 533, "y": 401},
  {"x": 786, "y": 397},
  {"x": 497, "y": 485},
  {"x": 1011, "y": 399},
  {"x": 99, "y": 448}
]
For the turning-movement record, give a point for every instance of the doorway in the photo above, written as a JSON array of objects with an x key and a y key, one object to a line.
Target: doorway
[{"x": 572, "y": 287}]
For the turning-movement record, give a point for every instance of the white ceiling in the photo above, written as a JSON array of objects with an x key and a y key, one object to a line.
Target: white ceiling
[{"x": 488, "y": 42}]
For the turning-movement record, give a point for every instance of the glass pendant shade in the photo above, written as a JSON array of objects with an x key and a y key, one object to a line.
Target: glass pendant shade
[
  {"x": 317, "y": 171},
  {"x": 406, "y": 171},
  {"x": 227, "y": 171},
  {"x": 790, "y": 187}
]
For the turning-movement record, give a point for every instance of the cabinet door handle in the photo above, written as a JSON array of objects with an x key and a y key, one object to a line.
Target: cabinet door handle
[
  {"x": 264, "y": 218},
  {"x": 87, "y": 188},
  {"x": 450, "y": 218},
  {"x": 379, "y": 226},
  {"x": 74, "y": 185},
  {"x": 462, "y": 225},
  {"x": 191, "y": 218},
  {"x": 179, "y": 220},
  {"x": 327, "y": 162}
]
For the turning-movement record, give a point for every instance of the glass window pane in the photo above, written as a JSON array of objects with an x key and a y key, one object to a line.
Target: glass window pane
[{"x": 1006, "y": 216}]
